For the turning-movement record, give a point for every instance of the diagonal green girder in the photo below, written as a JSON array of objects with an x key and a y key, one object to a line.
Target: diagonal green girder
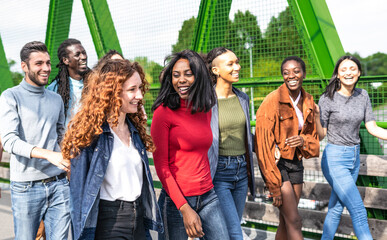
[
  {"x": 318, "y": 30},
  {"x": 58, "y": 27},
  {"x": 5, "y": 73},
  {"x": 101, "y": 26},
  {"x": 209, "y": 32}
]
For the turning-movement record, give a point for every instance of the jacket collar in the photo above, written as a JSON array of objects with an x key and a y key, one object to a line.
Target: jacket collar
[
  {"x": 132, "y": 128},
  {"x": 284, "y": 94},
  {"x": 285, "y": 97}
]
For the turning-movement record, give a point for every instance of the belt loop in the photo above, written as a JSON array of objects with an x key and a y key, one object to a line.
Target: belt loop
[{"x": 198, "y": 202}]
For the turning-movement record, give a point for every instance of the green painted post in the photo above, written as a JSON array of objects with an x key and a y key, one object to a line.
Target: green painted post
[
  {"x": 316, "y": 25},
  {"x": 58, "y": 27},
  {"x": 101, "y": 26},
  {"x": 5, "y": 73},
  {"x": 210, "y": 27}
]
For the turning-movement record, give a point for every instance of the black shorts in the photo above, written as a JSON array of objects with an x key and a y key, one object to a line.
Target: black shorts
[{"x": 291, "y": 170}]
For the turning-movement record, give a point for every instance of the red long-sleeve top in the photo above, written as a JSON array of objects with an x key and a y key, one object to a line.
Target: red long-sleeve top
[{"x": 182, "y": 142}]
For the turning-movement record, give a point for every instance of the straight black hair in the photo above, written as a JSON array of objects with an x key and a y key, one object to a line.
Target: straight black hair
[
  {"x": 334, "y": 83},
  {"x": 201, "y": 94}
]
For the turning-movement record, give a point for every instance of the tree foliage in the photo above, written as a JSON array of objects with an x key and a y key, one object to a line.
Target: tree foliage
[
  {"x": 243, "y": 35},
  {"x": 17, "y": 77},
  {"x": 152, "y": 69},
  {"x": 185, "y": 36},
  {"x": 282, "y": 37}
]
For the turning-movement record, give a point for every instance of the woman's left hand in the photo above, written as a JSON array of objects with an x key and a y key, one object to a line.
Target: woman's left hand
[{"x": 295, "y": 141}]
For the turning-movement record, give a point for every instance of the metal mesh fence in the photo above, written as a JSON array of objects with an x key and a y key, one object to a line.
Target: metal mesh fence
[{"x": 261, "y": 33}]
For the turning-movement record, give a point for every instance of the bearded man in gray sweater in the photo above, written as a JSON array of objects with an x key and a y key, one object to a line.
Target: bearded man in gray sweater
[{"x": 31, "y": 127}]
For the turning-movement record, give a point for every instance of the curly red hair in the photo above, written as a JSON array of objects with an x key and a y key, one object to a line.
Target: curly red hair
[{"x": 101, "y": 104}]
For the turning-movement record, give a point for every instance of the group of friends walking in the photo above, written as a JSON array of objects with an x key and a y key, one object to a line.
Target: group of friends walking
[{"x": 79, "y": 148}]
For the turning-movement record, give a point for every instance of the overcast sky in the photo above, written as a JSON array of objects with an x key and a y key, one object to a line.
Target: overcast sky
[{"x": 149, "y": 29}]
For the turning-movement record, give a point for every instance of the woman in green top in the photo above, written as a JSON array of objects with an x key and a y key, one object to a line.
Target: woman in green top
[{"x": 230, "y": 155}]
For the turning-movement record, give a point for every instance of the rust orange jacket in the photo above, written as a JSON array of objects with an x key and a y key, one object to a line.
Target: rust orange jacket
[{"x": 277, "y": 121}]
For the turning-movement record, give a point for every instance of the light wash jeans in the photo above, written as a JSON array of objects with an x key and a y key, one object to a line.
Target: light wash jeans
[
  {"x": 206, "y": 206},
  {"x": 34, "y": 201},
  {"x": 231, "y": 184},
  {"x": 340, "y": 166}
]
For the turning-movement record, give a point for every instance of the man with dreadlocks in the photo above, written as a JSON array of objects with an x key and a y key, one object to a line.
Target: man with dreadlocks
[{"x": 70, "y": 79}]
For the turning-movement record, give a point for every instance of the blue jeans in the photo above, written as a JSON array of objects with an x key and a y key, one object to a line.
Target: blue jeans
[
  {"x": 231, "y": 184},
  {"x": 340, "y": 166},
  {"x": 34, "y": 201},
  {"x": 207, "y": 207}
]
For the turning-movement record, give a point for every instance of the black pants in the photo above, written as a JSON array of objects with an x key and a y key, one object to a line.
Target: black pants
[
  {"x": 291, "y": 170},
  {"x": 120, "y": 220}
]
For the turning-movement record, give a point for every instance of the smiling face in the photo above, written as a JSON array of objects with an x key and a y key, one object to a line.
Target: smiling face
[
  {"x": 293, "y": 75},
  {"x": 76, "y": 61},
  {"x": 37, "y": 69},
  {"x": 348, "y": 73},
  {"x": 131, "y": 94},
  {"x": 226, "y": 67},
  {"x": 182, "y": 78}
]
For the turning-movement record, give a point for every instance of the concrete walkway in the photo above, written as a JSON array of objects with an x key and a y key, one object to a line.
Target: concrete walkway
[{"x": 6, "y": 226}]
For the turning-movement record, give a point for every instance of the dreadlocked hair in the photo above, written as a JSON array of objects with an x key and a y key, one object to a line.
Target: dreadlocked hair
[
  {"x": 62, "y": 78},
  {"x": 102, "y": 103}
]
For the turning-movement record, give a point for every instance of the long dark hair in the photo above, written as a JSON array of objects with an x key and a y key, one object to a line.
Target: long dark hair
[
  {"x": 334, "y": 83},
  {"x": 201, "y": 94},
  {"x": 214, "y": 53},
  {"x": 62, "y": 78}
]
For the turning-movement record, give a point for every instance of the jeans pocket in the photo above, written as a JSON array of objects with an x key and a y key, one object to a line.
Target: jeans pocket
[
  {"x": 222, "y": 164},
  {"x": 20, "y": 187}
]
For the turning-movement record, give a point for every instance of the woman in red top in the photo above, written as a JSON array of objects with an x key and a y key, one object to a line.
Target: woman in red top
[{"x": 182, "y": 134}]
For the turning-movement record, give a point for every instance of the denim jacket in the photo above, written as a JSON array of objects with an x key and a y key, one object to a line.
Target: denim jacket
[
  {"x": 213, "y": 152},
  {"x": 87, "y": 173}
]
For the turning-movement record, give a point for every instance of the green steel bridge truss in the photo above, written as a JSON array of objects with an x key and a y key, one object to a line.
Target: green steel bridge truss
[{"x": 314, "y": 24}]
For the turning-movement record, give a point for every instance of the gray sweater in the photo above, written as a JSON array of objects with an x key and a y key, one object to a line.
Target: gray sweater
[
  {"x": 343, "y": 115},
  {"x": 30, "y": 117}
]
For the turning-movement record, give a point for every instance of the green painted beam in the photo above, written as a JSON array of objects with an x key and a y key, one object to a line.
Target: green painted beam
[
  {"x": 5, "y": 73},
  {"x": 210, "y": 29},
  {"x": 58, "y": 27},
  {"x": 318, "y": 30},
  {"x": 101, "y": 26}
]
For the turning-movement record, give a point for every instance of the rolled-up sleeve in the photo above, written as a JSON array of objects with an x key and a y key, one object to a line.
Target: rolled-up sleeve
[{"x": 311, "y": 146}]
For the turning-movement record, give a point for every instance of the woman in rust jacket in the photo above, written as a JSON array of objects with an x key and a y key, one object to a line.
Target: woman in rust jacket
[{"x": 286, "y": 126}]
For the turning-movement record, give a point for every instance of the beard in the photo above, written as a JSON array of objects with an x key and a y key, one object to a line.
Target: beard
[{"x": 34, "y": 78}]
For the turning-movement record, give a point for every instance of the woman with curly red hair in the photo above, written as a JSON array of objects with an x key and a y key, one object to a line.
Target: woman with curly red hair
[{"x": 111, "y": 188}]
